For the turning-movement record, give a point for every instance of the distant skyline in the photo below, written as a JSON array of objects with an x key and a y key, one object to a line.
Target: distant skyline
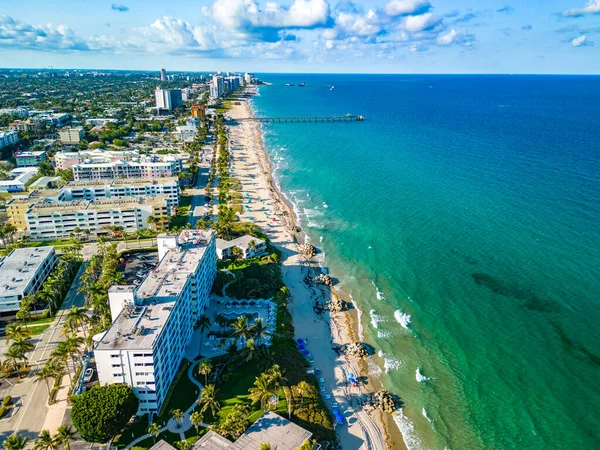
[{"x": 393, "y": 36}]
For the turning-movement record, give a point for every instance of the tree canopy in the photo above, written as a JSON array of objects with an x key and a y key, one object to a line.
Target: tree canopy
[{"x": 102, "y": 412}]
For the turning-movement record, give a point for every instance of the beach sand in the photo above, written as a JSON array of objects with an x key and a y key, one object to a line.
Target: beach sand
[{"x": 268, "y": 209}]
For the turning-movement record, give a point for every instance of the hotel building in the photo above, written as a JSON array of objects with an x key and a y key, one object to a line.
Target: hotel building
[
  {"x": 59, "y": 219},
  {"x": 153, "y": 322},
  {"x": 125, "y": 169},
  {"x": 22, "y": 273}
]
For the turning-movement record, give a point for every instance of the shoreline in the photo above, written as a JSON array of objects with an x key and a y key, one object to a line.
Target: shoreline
[{"x": 376, "y": 430}]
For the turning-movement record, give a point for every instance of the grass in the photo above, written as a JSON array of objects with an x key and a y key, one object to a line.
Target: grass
[
  {"x": 181, "y": 218},
  {"x": 38, "y": 329}
]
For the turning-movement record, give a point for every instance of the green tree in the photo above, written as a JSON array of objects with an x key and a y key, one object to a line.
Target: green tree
[
  {"x": 259, "y": 330},
  {"x": 303, "y": 388},
  {"x": 154, "y": 431},
  {"x": 15, "y": 442},
  {"x": 196, "y": 418},
  {"x": 236, "y": 421},
  {"x": 203, "y": 324},
  {"x": 177, "y": 415},
  {"x": 45, "y": 441},
  {"x": 102, "y": 412},
  {"x": 205, "y": 368},
  {"x": 241, "y": 329},
  {"x": 183, "y": 445},
  {"x": 64, "y": 435},
  {"x": 16, "y": 331},
  {"x": 262, "y": 391},
  {"x": 208, "y": 399}
]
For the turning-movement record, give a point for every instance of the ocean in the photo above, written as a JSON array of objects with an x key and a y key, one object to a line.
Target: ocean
[{"x": 463, "y": 217}]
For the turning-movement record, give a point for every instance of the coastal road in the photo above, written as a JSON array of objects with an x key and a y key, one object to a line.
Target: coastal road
[{"x": 32, "y": 397}]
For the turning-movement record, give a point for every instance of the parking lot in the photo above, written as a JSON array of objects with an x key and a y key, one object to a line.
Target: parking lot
[{"x": 137, "y": 266}]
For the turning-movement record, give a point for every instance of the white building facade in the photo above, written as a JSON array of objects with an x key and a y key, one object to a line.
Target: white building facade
[
  {"x": 153, "y": 323},
  {"x": 125, "y": 169},
  {"x": 8, "y": 138}
]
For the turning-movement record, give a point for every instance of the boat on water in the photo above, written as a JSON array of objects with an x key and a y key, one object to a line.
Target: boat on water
[
  {"x": 302, "y": 84},
  {"x": 331, "y": 88},
  {"x": 288, "y": 84}
]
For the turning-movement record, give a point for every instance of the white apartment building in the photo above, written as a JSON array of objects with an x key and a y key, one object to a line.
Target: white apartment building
[
  {"x": 100, "y": 121},
  {"x": 23, "y": 273},
  {"x": 185, "y": 133},
  {"x": 57, "y": 220},
  {"x": 8, "y": 138},
  {"x": 89, "y": 170},
  {"x": 18, "y": 179},
  {"x": 168, "y": 98},
  {"x": 66, "y": 160},
  {"x": 153, "y": 323},
  {"x": 71, "y": 135},
  {"x": 119, "y": 188}
]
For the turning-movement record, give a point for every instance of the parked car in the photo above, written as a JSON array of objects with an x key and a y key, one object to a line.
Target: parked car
[{"x": 87, "y": 376}]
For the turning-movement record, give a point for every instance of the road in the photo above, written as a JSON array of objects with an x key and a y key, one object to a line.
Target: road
[
  {"x": 31, "y": 397},
  {"x": 197, "y": 192}
]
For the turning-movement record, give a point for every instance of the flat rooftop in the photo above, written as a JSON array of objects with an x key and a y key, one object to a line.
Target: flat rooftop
[
  {"x": 121, "y": 182},
  {"x": 137, "y": 327},
  {"x": 19, "y": 267},
  {"x": 98, "y": 205}
]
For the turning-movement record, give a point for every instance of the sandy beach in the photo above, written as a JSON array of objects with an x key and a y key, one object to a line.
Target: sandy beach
[{"x": 265, "y": 206}]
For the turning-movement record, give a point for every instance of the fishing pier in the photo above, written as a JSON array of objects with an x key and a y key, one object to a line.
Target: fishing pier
[{"x": 346, "y": 118}]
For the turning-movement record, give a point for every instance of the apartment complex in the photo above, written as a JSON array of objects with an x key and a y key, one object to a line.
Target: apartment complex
[
  {"x": 71, "y": 135},
  {"x": 8, "y": 138},
  {"x": 59, "y": 219},
  {"x": 153, "y": 323},
  {"x": 66, "y": 160},
  {"x": 89, "y": 170},
  {"x": 119, "y": 188},
  {"x": 23, "y": 273},
  {"x": 30, "y": 159},
  {"x": 19, "y": 205},
  {"x": 168, "y": 98}
]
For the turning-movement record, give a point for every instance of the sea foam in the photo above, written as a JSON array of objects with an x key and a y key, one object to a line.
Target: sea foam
[
  {"x": 378, "y": 292},
  {"x": 420, "y": 377},
  {"x": 402, "y": 319},
  {"x": 375, "y": 319},
  {"x": 407, "y": 428}
]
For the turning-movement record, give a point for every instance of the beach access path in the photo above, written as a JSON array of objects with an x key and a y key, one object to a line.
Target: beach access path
[{"x": 264, "y": 207}]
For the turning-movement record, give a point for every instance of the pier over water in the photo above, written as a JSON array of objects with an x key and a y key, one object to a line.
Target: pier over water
[{"x": 346, "y": 118}]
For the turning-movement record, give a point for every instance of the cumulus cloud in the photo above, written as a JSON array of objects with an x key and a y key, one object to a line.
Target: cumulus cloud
[
  {"x": 506, "y": 9},
  {"x": 592, "y": 7},
  {"x": 119, "y": 8},
  {"x": 395, "y": 8},
  {"x": 18, "y": 34},
  {"x": 174, "y": 35},
  {"x": 581, "y": 41},
  {"x": 423, "y": 22},
  {"x": 455, "y": 37}
]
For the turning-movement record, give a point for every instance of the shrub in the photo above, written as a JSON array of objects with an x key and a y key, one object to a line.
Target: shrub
[
  {"x": 6, "y": 401},
  {"x": 102, "y": 412}
]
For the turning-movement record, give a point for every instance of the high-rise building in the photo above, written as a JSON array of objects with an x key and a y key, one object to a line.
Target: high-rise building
[
  {"x": 163, "y": 75},
  {"x": 154, "y": 322},
  {"x": 168, "y": 98},
  {"x": 248, "y": 78}
]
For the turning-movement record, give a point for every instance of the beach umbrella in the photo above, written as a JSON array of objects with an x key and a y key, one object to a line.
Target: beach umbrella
[
  {"x": 299, "y": 341},
  {"x": 306, "y": 353},
  {"x": 301, "y": 347},
  {"x": 339, "y": 419}
]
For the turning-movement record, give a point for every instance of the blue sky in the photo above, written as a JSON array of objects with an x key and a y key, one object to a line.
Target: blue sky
[{"x": 388, "y": 36}]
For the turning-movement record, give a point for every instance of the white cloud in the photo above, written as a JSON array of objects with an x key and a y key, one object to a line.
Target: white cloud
[
  {"x": 592, "y": 7},
  {"x": 396, "y": 8},
  {"x": 448, "y": 38},
  {"x": 168, "y": 33},
  {"x": 423, "y": 22},
  {"x": 457, "y": 38},
  {"x": 581, "y": 41},
  {"x": 18, "y": 34}
]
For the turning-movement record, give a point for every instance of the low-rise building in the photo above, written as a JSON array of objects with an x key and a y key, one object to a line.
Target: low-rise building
[
  {"x": 125, "y": 169},
  {"x": 24, "y": 125},
  {"x": 18, "y": 179},
  {"x": 71, "y": 135},
  {"x": 55, "y": 220},
  {"x": 56, "y": 119},
  {"x": 100, "y": 121},
  {"x": 248, "y": 246},
  {"x": 198, "y": 111},
  {"x": 119, "y": 188},
  {"x": 30, "y": 158},
  {"x": 153, "y": 323},
  {"x": 8, "y": 138},
  {"x": 20, "y": 204},
  {"x": 185, "y": 133},
  {"x": 22, "y": 273}
]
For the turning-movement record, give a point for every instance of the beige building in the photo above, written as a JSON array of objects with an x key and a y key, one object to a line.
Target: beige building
[
  {"x": 59, "y": 219},
  {"x": 18, "y": 205},
  {"x": 71, "y": 135}
]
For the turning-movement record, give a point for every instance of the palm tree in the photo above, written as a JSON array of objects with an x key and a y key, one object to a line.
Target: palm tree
[
  {"x": 262, "y": 391},
  {"x": 15, "y": 442},
  {"x": 265, "y": 446},
  {"x": 64, "y": 434},
  {"x": 77, "y": 317},
  {"x": 183, "y": 445},
  {"x": 203, "y": 324},
  {"x": 308, "y": 445},
  {"x": 16, "y": 331},
  {"x": 205, "y": 368},
  {"x": 303, "y": 388},
  {"x": 221, "y": 320},
  {"x": 43, "y": 374},
  {"x": 154, "y": 431},
  {"x": 259, "y": 330},
  {"x": 276, "y": 378},
  {"x": 22, "y": 346},
  {"x": 208, "y": 399},
  {"x": 241, "y": 329},
  {"x": 45, "y": 441},
  {"x": 196, "y": 418},
  {"x": 61, "y": 354},
  {"x": 177, "y": 415}
]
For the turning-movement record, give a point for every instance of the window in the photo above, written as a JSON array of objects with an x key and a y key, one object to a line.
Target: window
[
  {"x": 116, "y": 365},
  {"x": 117, "y": 375},
  {"x": 114, "y": 356}
]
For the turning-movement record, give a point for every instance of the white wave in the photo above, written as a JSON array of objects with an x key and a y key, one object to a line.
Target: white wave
[
  {"x": 316, "y": 225},
  {"x": 380, "y": 353},
  {"x": 425, "y": 415},
  {"x": 420, "y": 377},
  {"x": 378, "y": 292},
  {"x": 390, "y": 364},
  {"x": 375, "y": 319},
  {"x": 407, "y": 428},
  {"x": 402, "y": 319},
  {"x": 383, "y": 334},
  {"x": 325, "y": 205},
  {"x": 359, "y": 313},
  {"x": 320, "y": 238}
]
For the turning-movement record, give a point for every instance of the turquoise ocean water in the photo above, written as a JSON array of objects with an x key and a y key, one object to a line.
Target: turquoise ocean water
[{"x": 463, "y": 216}]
